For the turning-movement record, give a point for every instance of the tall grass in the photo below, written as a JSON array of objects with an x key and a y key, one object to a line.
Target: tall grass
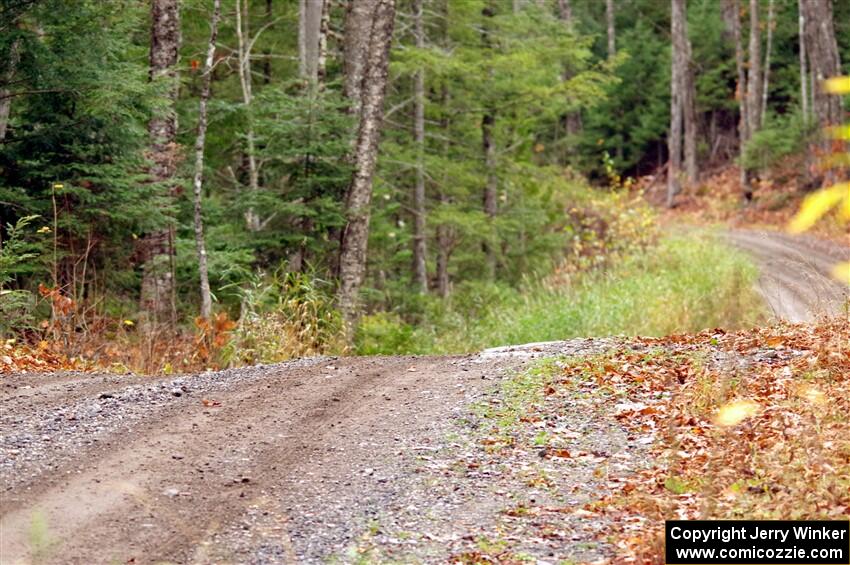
[{"x": 684, "y": 283}]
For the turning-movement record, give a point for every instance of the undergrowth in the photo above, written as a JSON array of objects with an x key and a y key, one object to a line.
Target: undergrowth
[{"x": 683, "y": 283}]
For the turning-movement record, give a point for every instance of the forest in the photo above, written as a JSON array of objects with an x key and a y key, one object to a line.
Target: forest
[
  {"x": 191, "y": 183},
  {"x": 479, "y": 282}
]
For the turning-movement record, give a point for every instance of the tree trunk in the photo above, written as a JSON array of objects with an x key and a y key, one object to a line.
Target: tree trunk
[
  {"x": 572, "y": 120},
  {"x": 267, "y": 54},
  {"x": 324, "y": 28},
  {"x": 565, "y": 11},
  {"x": 367, "y": 57},
  {"x": 733, "y": 18},
  {"x": 804, "y": 73},
  {"x": 689, "y": 108},
  {"x": 824, "y": 60},
  {"x": 197, "y": 182},
  {"x": 5, "y": 99},
  {"x": 444, "y": 236},
  {"x": 358, "y": 25},
  {"x": 420, "y": 272},
  {"x": 609, "y": 21},
  {"x": 309, "y": 38},
  {"x": 157, "y": 293},
  {"x": 677, "y": 99},
  {"x": 252, "y": 219},
  {"x": 491, "y": 188},
  {"x": 771, "y": 16},
  {"x": 754, "y": 78},
  {"x": 491, "y": 185},
  {"x": 824, "y": 63}
]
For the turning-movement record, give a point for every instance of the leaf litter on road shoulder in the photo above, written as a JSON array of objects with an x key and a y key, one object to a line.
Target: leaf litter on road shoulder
[
  {"x": 598, "y": 451},
  {"x": 758, "y": 431}
]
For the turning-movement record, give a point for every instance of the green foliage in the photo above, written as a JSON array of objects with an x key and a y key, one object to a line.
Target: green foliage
[
  {"x": 284, "y": 315},
  {"x": 780, "y": 137},
  {"x": 15, "y": 253},
  {"x": 84, "y": 126},
  {"x": 384, "y": 333},
  {"x": 684, "y": 283}
]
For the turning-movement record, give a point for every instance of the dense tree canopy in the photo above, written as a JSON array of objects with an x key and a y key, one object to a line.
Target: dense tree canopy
[{"x": 491, "y": 114}]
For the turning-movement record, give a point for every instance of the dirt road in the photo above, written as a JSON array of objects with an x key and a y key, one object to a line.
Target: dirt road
[
  {"x": 795, "y": 276},
  {"x": 118, "y": 470},
  {"x": 286, "y": 463}
]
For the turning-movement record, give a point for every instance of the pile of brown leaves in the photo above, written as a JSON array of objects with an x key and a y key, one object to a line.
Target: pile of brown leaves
[
  {"x": 718, "y": 199},
  {"x": 42, "y": 357},
  {"x": 758, "y": 429}
]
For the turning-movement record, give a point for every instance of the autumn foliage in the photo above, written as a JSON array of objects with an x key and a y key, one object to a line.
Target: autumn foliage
[{"x": 755, "y": 427}]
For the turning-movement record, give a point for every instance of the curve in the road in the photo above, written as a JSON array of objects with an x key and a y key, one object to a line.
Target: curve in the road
[{"x": 795, "y": 278}]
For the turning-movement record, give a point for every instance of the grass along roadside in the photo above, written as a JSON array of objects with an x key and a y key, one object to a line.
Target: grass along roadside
[{"x": 683, "y": 283}]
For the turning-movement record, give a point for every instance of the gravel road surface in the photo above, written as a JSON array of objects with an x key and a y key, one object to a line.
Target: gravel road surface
[
  {"x": 795, "y": 273},
  {"x": 289, "y": 463}
]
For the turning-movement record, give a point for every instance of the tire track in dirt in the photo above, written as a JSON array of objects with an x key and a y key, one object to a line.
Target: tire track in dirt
[
  {"x": 173, "y": 481},
  {"x": 795, "y": 278}
]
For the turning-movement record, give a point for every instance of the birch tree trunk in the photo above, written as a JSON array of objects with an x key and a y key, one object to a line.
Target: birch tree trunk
[
  {"x": 609, "y": 21},
  {"x": 824, "y": 63},
  {"x": 357, "y": 37},
  {"x": 689, "y": 114},
  {"x": 732, "y": 11},
  {"x": 771, "y": 16},
  {"x": 754, "y": 72},
  {"x": 5, "y": 99},
  {"x": 157, "y": 293},
  {"x": 324, "y": 29},
  {"x": 243, "y": 37},
  {"x": 309, "y": 38},
  {"x": 804, "y": 72},
  {"x": 368, "y": 36},
  {"x": 420, "y": 271},
  {"x": 197, "y": 181},
  {"x": 677, "y": 100}
]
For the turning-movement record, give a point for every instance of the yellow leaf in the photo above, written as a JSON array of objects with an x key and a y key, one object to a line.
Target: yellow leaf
[
  {"x": 837, "y": 85},
  {"x": 837, "y": 160},
  {"x": 816, "y": 205},
  {"x": 129, "y": 323},
  {"x": 813, "y": 395},
  {"x": 839, "y": 132},
  {"x": 735, "y": 412},
  {"x": 842, "y": 273}
]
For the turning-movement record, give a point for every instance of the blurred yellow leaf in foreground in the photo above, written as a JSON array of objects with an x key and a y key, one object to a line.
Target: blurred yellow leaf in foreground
[
  {"x": 842, "y": 273},
  {"x": 837, "y": 85},
  {"x": 816, "y": 205},
  {"x": 735, "y": 412}
]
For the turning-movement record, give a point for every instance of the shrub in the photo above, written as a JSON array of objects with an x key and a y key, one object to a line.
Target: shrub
[
  {"x": 16, "y": 305},
  {"x": 384, "y": 333},
  {"x": 780, "y": 137},
  {"x": 284, "y": 316}
]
